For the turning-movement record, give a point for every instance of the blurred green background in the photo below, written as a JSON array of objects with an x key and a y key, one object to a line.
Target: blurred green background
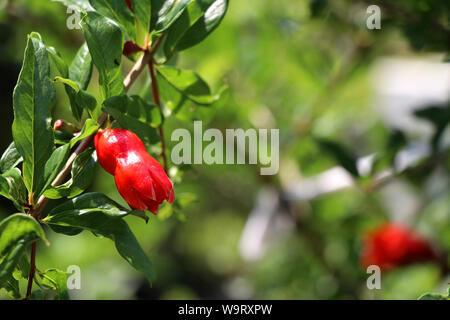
[{"x": 313, "y": 70}]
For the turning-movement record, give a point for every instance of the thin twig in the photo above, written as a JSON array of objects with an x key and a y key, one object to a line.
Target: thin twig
[
  {"x": 32, "y": 269},
  {"x": 157, "y": 101}
]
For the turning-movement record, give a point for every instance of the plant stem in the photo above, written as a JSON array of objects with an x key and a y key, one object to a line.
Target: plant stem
[
  {"x": 157, "y": 101},
  {"x": 32, "y": 269}
]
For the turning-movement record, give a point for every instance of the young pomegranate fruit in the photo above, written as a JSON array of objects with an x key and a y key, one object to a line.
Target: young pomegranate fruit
[
  {"x": 140, "y": 179},
  {"x": 393, "y": 245}
]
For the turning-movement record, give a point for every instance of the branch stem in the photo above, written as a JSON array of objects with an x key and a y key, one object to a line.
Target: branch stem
[
  {"x": 157, "y": 101},
  {"x": 32, "y": 269}
]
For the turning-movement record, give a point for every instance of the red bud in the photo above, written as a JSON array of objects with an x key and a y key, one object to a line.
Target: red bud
[
  {"x": 130, "y": 47},
  {"x": 140, "y": 179},
  {"x": 394, "y": 245}
]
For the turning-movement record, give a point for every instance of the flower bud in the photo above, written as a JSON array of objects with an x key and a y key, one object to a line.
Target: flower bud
[
  {"x": 130, "y": 47},
  {"x": 140, "y": 179},
  {"x": 394, "y": 245}
]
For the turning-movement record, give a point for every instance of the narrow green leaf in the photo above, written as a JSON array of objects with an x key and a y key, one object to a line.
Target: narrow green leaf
[
  {"x": 100, "y": 215},
  {"x": 80, "y": 70},
  {"x": 82, "y": 175},
  {"x": 58, "y": 61},
  {"x": 203, "y": 26},
  {"x": 54, "y": 165},
  {"x": 80, "y": 99},
  {"x": 56, "y": 280},
  {"x": 105, "y": 42},
  {"x": 10, "y": 158},
  {"x": 72, "y": 84},
  {"x": 16, "y": 233},
  {"x": 13, "y": 187},
  {"x": 189, "y": 84},
  {"x": 12, "y": 287},
  {"x": 166, "y": 12},
  {"x": 118, "y": 11},
  {"x": 81, "y": 5},
  {"x": 142, "y": 11},
  {"x": 197, "y": 21},
  {"x": 90, "y": 127},
  {"x": 70, "y": 87},
  {"x": 194, "y": 11},
  {"x": 19, "y": 227},
  {"x": 183, "y": 92},
  {"x": 91, "y": 202},
  {"x": 89, "y": 103},
  {"x": 32, "y": 99},
  {"x": 62, "y": 137}
]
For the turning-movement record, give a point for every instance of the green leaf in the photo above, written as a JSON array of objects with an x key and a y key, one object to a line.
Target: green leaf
[
  {"x": 62, "y": 137},
  {"x": 182, "y": 91},
  {"x": 142, "y": 11},
  {"x": 81, "y": 5},
  {"x": 194, "y": 11},
  {"x": 166, "y": 12},
  {"x": 32, "y": 99},
  {"x": 105, "y": 41},
  {"x": 58, "y": 61},
  {"x": 88, "y": 102},
  {"x": 12, "y": 287},
  {"x": 71, "y": 88},
  {"x": 13, "y": 187},
  {"x": 189, "y": 84},
  {"x": 435, "y": 296},
  {"x": 91, "y": 202},
  {"x": 341, "y": 155},
  {"x": 204, "y": 26},
  {"x": 118, "y": 11},
  {"x": 54, "y": 165},
  {"x": 16, "y": 233},
  {"x": 134, "y": 114},
  {"x": 100, "y": 215},
  {"x": 72, "y": 84},
  {"x": 90, "y": 127},
  {"x": 56, "y": 280},
  {"x": 198, "y": 20},
  {"x": 16, "y": 228},
  {"x": 10, "y": 158},
  {"x": 82, "y": 175},
  {"x": 80, "y": 99},
  {"x": 80, "y": 70}
]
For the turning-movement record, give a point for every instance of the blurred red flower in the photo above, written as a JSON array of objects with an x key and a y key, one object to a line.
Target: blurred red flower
[{"x": 393, "y": 245}]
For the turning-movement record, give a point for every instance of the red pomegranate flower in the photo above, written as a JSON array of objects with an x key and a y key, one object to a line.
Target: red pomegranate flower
[
  {"x": 140, "y": 179},
  {"x": 393, "y": 245}
]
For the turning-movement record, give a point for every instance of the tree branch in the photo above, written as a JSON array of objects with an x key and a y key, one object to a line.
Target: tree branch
[
  {"x": 85, "y": 143},
  {"x": 157, "y": 101},
  {"x": 32, "y": 269}
]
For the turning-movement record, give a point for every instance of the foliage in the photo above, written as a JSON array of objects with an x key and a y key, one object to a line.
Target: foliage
[
  {"x": 305, "y": 67},
  {"x": 31, "y": 164}
]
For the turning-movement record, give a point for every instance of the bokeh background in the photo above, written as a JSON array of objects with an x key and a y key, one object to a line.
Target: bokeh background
[{"x": 380, "y": 100}]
